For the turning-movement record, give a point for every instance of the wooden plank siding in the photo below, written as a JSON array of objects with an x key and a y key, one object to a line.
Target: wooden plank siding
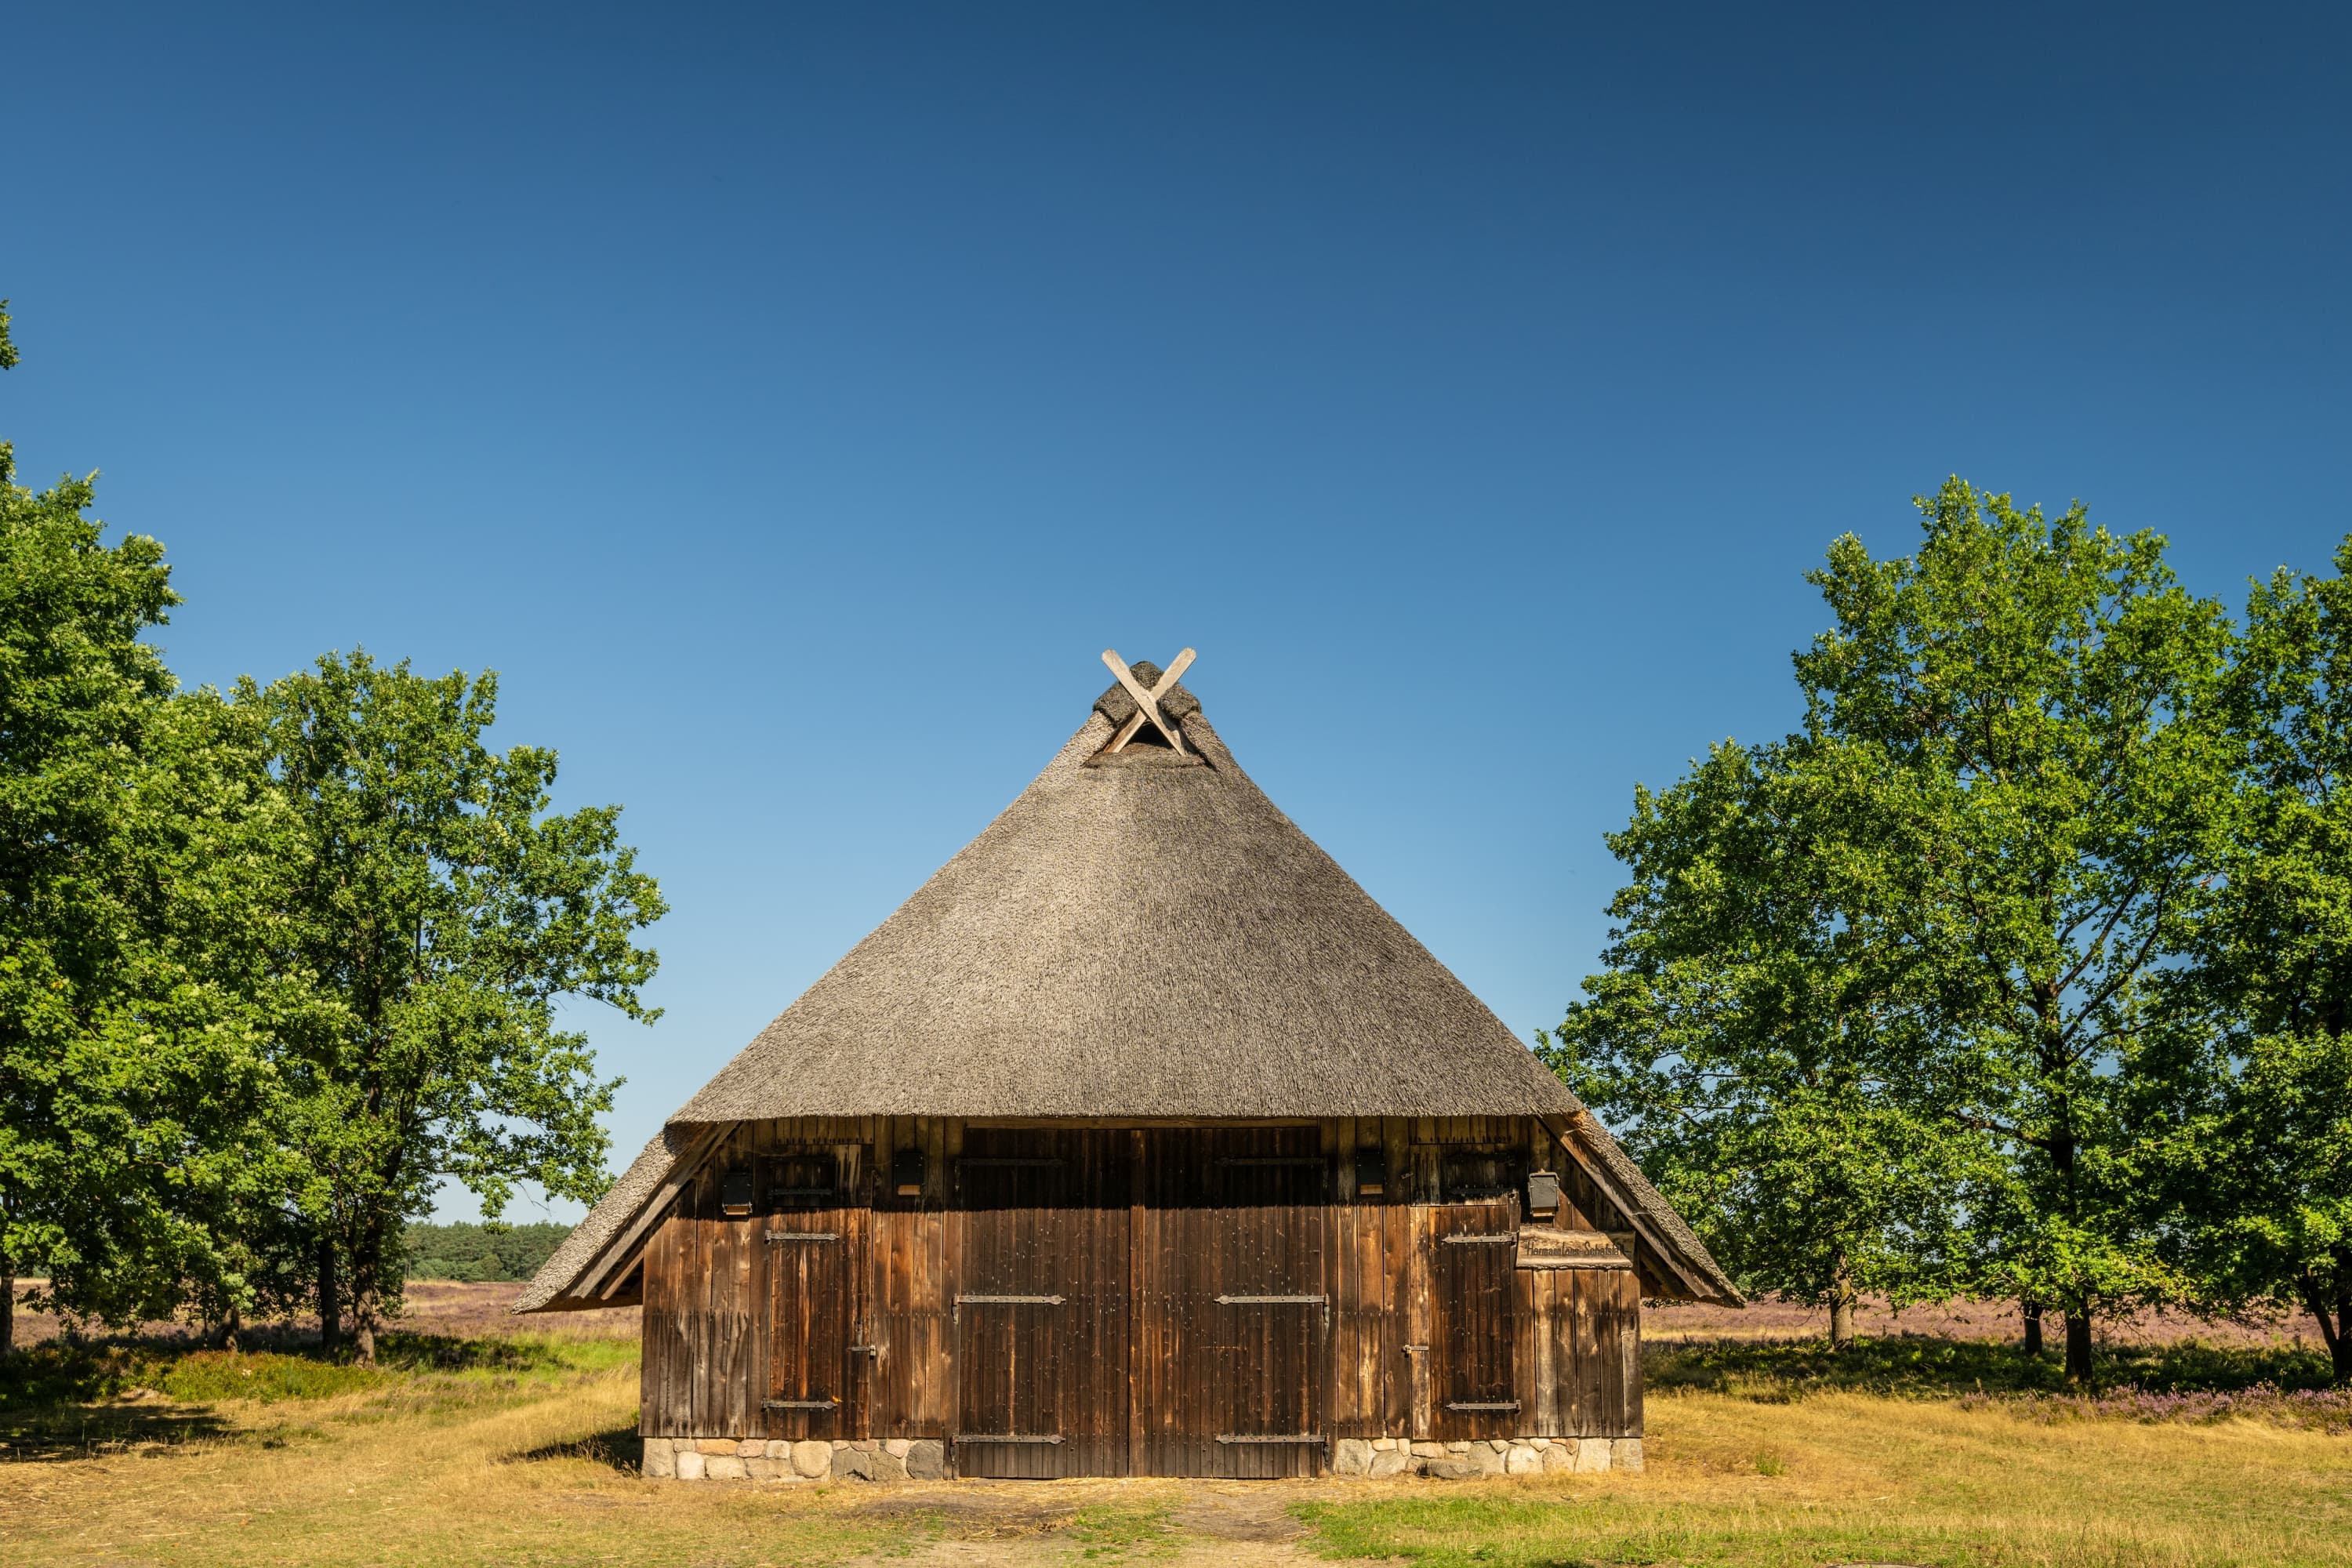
[{"x": 1231, "y": 1301}]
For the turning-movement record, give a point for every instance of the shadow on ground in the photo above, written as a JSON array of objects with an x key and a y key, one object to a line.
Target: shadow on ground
[
  {"x": 77, "y": 1432},
  {"x": 620, "y": 1448}
]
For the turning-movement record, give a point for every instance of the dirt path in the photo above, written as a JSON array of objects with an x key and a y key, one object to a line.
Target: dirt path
[{"x": 997, "y": 1525}]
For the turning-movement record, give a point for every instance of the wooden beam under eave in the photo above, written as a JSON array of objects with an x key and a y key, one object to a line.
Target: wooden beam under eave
[
  {"x": 1569, "y": 1136},
  {"x": 605, "y": 1269}
]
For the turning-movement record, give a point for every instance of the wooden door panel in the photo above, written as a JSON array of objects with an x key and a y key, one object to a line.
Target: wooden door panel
[
  {"x": 1040, "y": 1313},
  {"x": 1473, "y": 1257},
  {"x": 813, "y": 1239},
  {"x": 1235, "y": 1304},
  {"x": 815, "y": 1258}
]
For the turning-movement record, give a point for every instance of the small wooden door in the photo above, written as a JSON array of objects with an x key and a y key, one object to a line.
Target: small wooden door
[
  {"x": 815, "y": 1246},
  {"x": 1474, "y": 1255}
]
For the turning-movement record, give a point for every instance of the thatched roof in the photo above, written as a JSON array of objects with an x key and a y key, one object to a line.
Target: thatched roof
[
  {"x": 1144, "y": 935},
  {"x": 1141, "y": 934},
  {"x": 558, "y": 1280}
]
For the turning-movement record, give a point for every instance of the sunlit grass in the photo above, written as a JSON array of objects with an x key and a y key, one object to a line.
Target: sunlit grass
[
  {"x": 522, "y": 1450},
  {"x": 1833, "y": 1476}
]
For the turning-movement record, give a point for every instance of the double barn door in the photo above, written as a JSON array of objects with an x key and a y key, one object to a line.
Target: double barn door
[
  {"x": 1154, "y": 1301},
  {"x": 1139, "y": 1301}
]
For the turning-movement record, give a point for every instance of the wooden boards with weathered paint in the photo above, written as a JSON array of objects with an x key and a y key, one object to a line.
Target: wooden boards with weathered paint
[{"x": 1158, "y": 1299}]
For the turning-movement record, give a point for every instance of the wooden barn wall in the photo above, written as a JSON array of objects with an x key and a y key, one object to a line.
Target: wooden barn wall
[{"x": 1097, "y": 1284}]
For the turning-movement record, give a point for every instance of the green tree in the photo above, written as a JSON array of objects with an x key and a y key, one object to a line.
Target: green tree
[
  {"x": 131, "y": 1070},
  {"x": 2266, "y": 1156},
  {"x": 2030, "y": 704},
  {"x": 480, "y": 1251},
  {"x": 1752, "y": 1044},
  {"x": 440, "y": 914}
]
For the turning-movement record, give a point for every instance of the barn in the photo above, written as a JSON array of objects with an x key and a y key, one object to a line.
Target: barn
[{"x": 1139, "y": 1140}]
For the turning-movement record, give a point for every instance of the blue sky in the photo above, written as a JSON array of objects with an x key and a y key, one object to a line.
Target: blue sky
[{"x": 791, "y": 402}]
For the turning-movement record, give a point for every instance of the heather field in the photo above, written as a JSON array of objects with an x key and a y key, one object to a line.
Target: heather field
[{"x": 478, "y": 1441}]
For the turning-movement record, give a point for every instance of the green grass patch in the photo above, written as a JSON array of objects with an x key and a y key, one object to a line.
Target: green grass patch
[
  {"x": 1113, "y": 1531},
  {"x": 203, "y": 1377},
  {"x": 57, "y": 1373},
  {"x": 1490, "y": 1532}
]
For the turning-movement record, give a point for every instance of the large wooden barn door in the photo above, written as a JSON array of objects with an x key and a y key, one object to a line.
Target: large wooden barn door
[
  {"x": 1473, "y": 1256},
  {"x": 1233, "y": 1306},
  {"x": 814, "y": 1239},
  {"x": 1039, "y": 1253}
]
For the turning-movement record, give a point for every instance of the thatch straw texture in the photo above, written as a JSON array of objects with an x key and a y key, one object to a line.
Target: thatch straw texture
[
  {"x": 1148, "y": 936},
  {"x": 619, "y": 1205}
]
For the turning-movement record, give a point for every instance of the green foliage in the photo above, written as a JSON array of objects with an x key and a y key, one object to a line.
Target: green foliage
[
  {"x": 131, "y": 1055},
  {"x": 2028, "y": 705},
  {"x": 2263, "y": 1153},
  {"x": 1888, "y": 991},
  {"x": 272, "y": 967},
  {"x": 1755, "y": 1049},
  {"x": 479, "y": 1252},
  {"x": 439, "y": 914}
]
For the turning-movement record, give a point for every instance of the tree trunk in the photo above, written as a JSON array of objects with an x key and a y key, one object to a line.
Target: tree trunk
[
  {"x": 1842, "y": 1295},
  {"x": 7, "y": 1305},
  {"x": 2032, "y": 1312},
  {"x": 2339, "y": 1349},
  {"x": 330, "y": 1303},
  {"x": 367, "y": 1275},
  {"x": 2335, "y": 1319},
  {"x": 2078, "y": 1344},
  {"x": 228, "y": 1335}
]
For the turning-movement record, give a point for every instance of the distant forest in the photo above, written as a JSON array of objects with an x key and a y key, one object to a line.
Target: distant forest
[{"x": 478, "y": 1252}]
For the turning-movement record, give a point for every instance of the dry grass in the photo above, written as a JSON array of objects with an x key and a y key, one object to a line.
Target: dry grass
[
  {"x": 528, "y": 1458},
  {"x": 1844, "y": 1478}
]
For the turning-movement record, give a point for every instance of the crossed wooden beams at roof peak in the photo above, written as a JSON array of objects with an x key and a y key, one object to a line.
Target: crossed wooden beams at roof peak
[{"x": 1146, "y": 703}]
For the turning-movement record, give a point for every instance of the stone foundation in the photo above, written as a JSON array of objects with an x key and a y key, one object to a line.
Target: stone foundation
[
  {"x": 765, "y": 1459},
  {"x": 1381, "y": 1456},
  {"x": 925, "y": 1459}
]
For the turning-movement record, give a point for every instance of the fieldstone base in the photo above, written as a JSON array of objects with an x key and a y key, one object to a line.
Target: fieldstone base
[
  {"x": 767, "y": 1459},
  {"x": 925, "y": 1459},
  {"x": 1380, "y": 1456}
]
